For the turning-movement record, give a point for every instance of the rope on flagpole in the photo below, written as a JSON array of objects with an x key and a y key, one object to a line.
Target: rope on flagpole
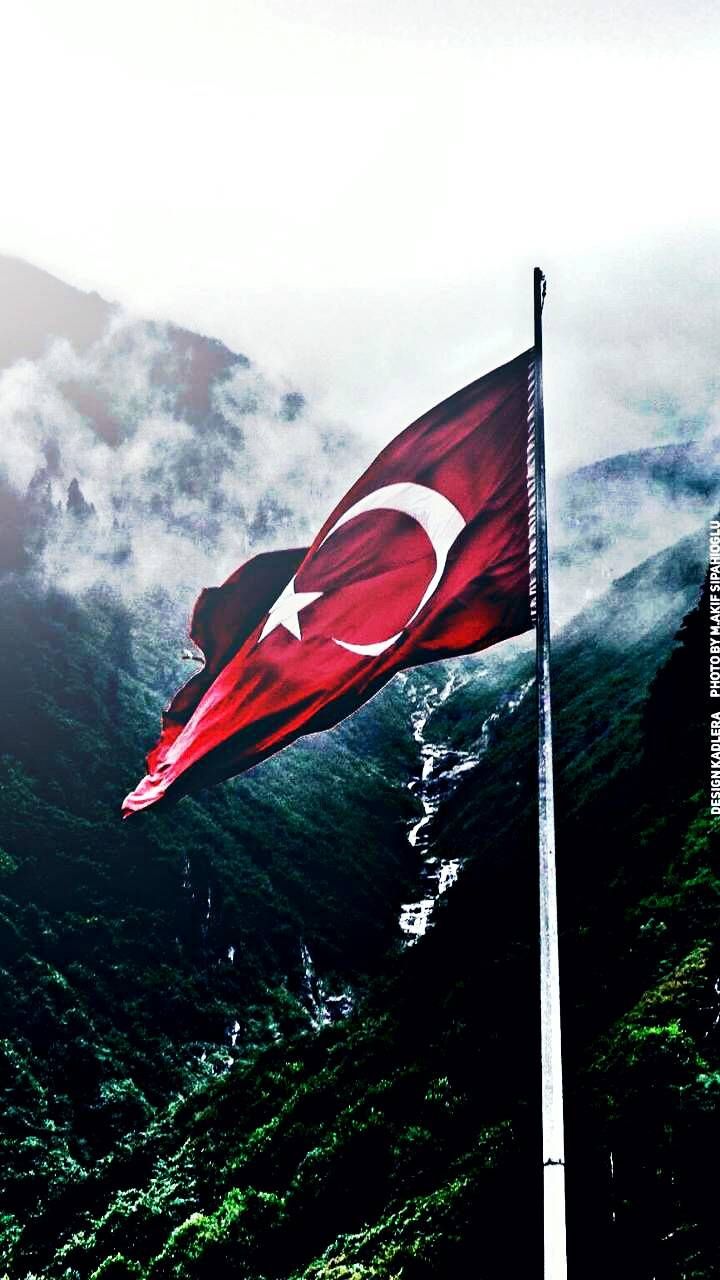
[{"x": 553, "y": 1141}]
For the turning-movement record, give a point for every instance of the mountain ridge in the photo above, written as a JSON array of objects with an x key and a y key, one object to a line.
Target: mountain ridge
[
  {"x": 399, "y": 1133},
  {"x": 217, "y": 1056}
]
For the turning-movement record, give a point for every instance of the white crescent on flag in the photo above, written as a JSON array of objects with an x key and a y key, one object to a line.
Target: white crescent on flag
[
  {"x": 436, "y": 515},
  {"x": 440, "y": 520}
]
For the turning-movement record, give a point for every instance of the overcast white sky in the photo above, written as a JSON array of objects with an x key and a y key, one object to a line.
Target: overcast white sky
[{"x": 354, "y": 194}]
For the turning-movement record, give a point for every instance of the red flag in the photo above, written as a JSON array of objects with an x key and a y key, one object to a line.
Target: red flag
[{"x": 430, "y": 554}]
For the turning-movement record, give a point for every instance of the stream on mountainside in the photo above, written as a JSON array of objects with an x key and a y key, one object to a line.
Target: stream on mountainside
[
  {"x": 321, "y": 1006},
  {"x": 442, "y": 766}
]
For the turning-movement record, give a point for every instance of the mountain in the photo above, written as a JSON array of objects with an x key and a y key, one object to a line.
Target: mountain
[
  {"x": 38, "y": 307},
  {"x": 289, "y": 1030},
  {"x": 610, "y": 515},
  {"x": 121, "y": 436},
  {"x": 140, "y": 455},
  {"x": 403, "y": 1140}
]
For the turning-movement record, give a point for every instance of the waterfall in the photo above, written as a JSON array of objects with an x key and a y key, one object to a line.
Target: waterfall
[
  {"x": 441, "y": 767},
  {"x": 322, "y": 1007}
]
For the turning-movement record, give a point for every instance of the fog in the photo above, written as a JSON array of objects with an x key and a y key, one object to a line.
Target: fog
[
  {"x": 163, "y": 498},
  {"x": 354, "y": 196}
]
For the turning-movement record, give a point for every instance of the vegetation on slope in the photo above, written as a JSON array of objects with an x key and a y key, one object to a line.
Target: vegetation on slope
[
  {"x": 169, "y": 1109},
  {"x": 132, "y": 953},
  {"x": 403, "y": 1142}
]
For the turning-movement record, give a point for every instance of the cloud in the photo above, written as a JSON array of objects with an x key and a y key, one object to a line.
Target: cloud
[
  {"x": 186, "y": 459},
  {"x": 164, "y": 494}
]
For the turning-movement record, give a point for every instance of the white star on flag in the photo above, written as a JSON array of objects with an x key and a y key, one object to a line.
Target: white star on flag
[{"x": 284, "y": 612}]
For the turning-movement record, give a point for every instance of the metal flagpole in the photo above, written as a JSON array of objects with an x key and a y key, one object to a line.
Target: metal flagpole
[{"x": 552, "y": 1085}]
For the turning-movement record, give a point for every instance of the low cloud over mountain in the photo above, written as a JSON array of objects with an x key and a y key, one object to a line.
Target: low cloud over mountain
[{"x": 141, "y": 454}]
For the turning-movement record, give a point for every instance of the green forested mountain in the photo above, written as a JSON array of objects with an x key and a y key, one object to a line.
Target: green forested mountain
[
  {"x": 401, "y": 1140},
  {"x": 141, "y": 958},
  {"x": 220, "y": 1058}
]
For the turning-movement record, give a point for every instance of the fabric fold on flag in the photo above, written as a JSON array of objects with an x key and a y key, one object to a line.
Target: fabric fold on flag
[
  {"x": 222, "y": 619},
  {"x": 429, "y": 555}
]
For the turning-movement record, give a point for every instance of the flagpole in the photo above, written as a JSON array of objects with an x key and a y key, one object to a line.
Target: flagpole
[{"x": 553, "y": 1142}]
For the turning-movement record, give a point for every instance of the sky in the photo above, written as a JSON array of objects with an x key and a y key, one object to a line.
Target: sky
[{"x": 355, "y": 194}]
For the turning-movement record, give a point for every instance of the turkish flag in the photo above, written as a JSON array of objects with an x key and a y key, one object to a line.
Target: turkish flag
[{"x": 430, "y": 554}]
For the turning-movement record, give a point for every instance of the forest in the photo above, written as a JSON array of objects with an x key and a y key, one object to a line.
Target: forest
[{"x": 220, "y": 1056}]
